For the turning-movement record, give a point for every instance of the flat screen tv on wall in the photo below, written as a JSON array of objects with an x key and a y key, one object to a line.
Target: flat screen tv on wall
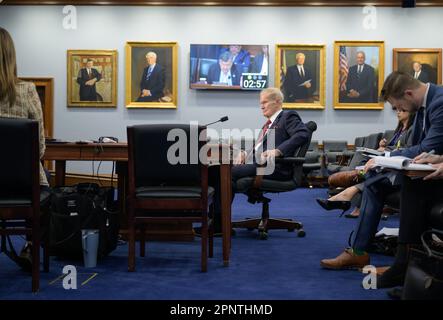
[{"x": 229, "y": 66}]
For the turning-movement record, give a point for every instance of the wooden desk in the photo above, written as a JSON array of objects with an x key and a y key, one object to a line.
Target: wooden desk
[{"x": 62, "y": 152}]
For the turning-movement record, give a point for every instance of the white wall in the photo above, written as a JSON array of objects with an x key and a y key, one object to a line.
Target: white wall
[{"x": 41, "y": 44}]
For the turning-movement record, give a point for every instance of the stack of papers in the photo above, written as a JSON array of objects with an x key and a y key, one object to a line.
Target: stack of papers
[
  {"x": 387, "y": 232},
  {"x": 401, "y": 163}
]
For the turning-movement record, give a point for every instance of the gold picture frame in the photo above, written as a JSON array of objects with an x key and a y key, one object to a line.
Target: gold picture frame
[
  {"x": 358, "y": 87},
  {"x": 302, "y": 87},
  {"x": 151, "y": 87},
  {"x": 428, "y": 63},
  {"x": 92, "y": 78}
]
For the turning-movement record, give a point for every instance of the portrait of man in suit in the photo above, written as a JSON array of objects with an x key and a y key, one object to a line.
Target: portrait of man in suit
[
  {"x": 419, "y": 73},
  {"x": 361, "y": 83},
  {"x": 151, "y": 74},
  {"x": 87, "y": 78},
  {"x": 422, "y": 64},
  {"x": 152, "y": 82},
  {"x": 224, "y": 72},
  {"x": 299, "y": 81},
  {"x": 92, "y": 78}
]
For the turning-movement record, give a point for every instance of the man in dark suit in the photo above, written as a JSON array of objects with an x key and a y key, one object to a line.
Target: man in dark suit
[
  {"x": 403, "y": 92},
  {"x": 299, "y": 82},
  {"x": 361, "y": 82},
  {"x": 240, "y": 57},
  {"x": 153, "y": 80},
  {"x": 261, "y": 62},
  {"x": 283, "y": 131},
  {"x": 224, "y": 72},
  {"x": 418, "y": 72},
  {"x": 87, "y": 78}
]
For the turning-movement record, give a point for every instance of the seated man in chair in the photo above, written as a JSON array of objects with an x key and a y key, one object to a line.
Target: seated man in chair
[{"x": 289, "y": 132}]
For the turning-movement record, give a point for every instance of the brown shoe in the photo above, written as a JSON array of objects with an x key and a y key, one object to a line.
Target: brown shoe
[
  {"x": 346, "y": 260},
  {"x": 344, "y": 179}
]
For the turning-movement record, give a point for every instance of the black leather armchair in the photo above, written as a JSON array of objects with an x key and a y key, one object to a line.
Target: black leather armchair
[
  {"x": 160, "y": 189},
  {"x": 20, "y": 195},
  {"x": 256, "y": 187}
]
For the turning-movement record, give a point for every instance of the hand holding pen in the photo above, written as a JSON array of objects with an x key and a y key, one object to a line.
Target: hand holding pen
[{"x": 428, "y": 157}]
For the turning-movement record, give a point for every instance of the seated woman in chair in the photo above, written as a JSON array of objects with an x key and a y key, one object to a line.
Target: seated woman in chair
[
  {"x": 343, "y": 199},
  {"x": 19, "y": 99}
]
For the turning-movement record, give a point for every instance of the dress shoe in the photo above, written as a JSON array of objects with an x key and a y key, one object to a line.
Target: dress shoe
[
  {"x": 24, "y": 260},
  {"x": 395, "y": 293},
  {"x": 344, "y": 179},
  {"x": 331, "y": 205},
  {"x": 352, "y": 215},
  {"x": 346, "y": 260},
  {"x": 393, "y": 277}
]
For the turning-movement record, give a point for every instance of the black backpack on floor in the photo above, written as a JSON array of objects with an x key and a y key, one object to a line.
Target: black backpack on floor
[{"x": 82, "y": 206}]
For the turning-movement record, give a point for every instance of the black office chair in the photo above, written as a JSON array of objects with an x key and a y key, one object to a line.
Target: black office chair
[
  {"x": 255, "y": 187},
  {"x": 20, "y": 195},
  {"x": 160, "y": 191}
]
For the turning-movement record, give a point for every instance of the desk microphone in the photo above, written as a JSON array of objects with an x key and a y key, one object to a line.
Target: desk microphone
[{"x": 222, "y": 119}]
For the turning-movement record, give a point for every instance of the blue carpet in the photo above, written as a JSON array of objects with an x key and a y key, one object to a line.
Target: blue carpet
[{"x": 284, "y": 267}]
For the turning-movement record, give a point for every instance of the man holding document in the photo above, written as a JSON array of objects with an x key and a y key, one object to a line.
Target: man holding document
[
  {"x": 299, "y": 83},
  {"x": 403, "y": 92}
]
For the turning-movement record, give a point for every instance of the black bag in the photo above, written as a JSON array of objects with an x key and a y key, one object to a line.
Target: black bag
[
  {"x": 384, "y": 244},
  {"x": 82, "y": 206},
  {"x": 424, "y": 277}
]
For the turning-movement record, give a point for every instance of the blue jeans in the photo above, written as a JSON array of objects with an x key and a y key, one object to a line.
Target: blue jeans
[{"x": 376, "y": 189}]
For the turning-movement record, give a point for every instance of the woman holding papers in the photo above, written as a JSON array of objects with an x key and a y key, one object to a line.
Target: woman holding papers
[{"x": 342, "y": 200}]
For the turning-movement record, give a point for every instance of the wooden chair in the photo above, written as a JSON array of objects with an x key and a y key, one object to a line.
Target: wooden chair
[
  {"x": 160, "y": 190},
  {"x": 20, "y": 186}
]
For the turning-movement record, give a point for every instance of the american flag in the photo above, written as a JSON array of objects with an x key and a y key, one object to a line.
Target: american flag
[
  {"x": 282, "y": 68},
  {"x": 344, "y": 68}
]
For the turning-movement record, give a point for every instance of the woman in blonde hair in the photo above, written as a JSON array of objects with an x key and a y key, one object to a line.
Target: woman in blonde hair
[{"x": 19, "y": 99}]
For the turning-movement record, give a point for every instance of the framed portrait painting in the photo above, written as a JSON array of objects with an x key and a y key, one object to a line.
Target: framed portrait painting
[
  {"x": 358, "y": 74},
  {"x": 422, "y": 64},
  {"x": 300, "y": 72},
  {"x": 92, "y": 78},
  {"x": 151, "y": 75}
]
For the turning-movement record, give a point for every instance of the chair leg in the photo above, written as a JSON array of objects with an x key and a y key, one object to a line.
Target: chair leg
[
  {"x": 35, "y": 256},
  {"x": 211, "y": 233},
  {"x": 142, "y": 241},
  {"x": 131, "y": 246},
  {"x": 204, "y": 240},
  {"x": 45, "y": 258}
]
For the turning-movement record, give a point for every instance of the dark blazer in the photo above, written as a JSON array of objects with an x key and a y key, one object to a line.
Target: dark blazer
[
  {"x": 290, "y": 133},
  {"x": 241, "y": 61},
  {"x": 291, "y": 84},
  {"x": 363, "y": 84},
  {"x": 431, "y": 138},
  {"x": 88, "y": 93},
  {"x": 214, "y": 74},
  {"x": 155, "y": 83},
  {"x": 256, "y": 65},
  {"x": 423, "y": 76}
]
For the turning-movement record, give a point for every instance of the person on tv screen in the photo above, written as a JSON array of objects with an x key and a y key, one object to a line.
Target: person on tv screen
[
  {"x": 87, "y": 78},
  {"x": 241, "y": 57},
  {"x": 299, "y": 83},
  {"x": 261, "y": 62},
  {"x": 153, "y": 80},
  {"x": 224, "y": 72}
]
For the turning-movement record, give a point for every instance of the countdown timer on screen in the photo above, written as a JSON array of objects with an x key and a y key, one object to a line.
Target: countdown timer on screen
[{"x": 254, "y": 81}]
